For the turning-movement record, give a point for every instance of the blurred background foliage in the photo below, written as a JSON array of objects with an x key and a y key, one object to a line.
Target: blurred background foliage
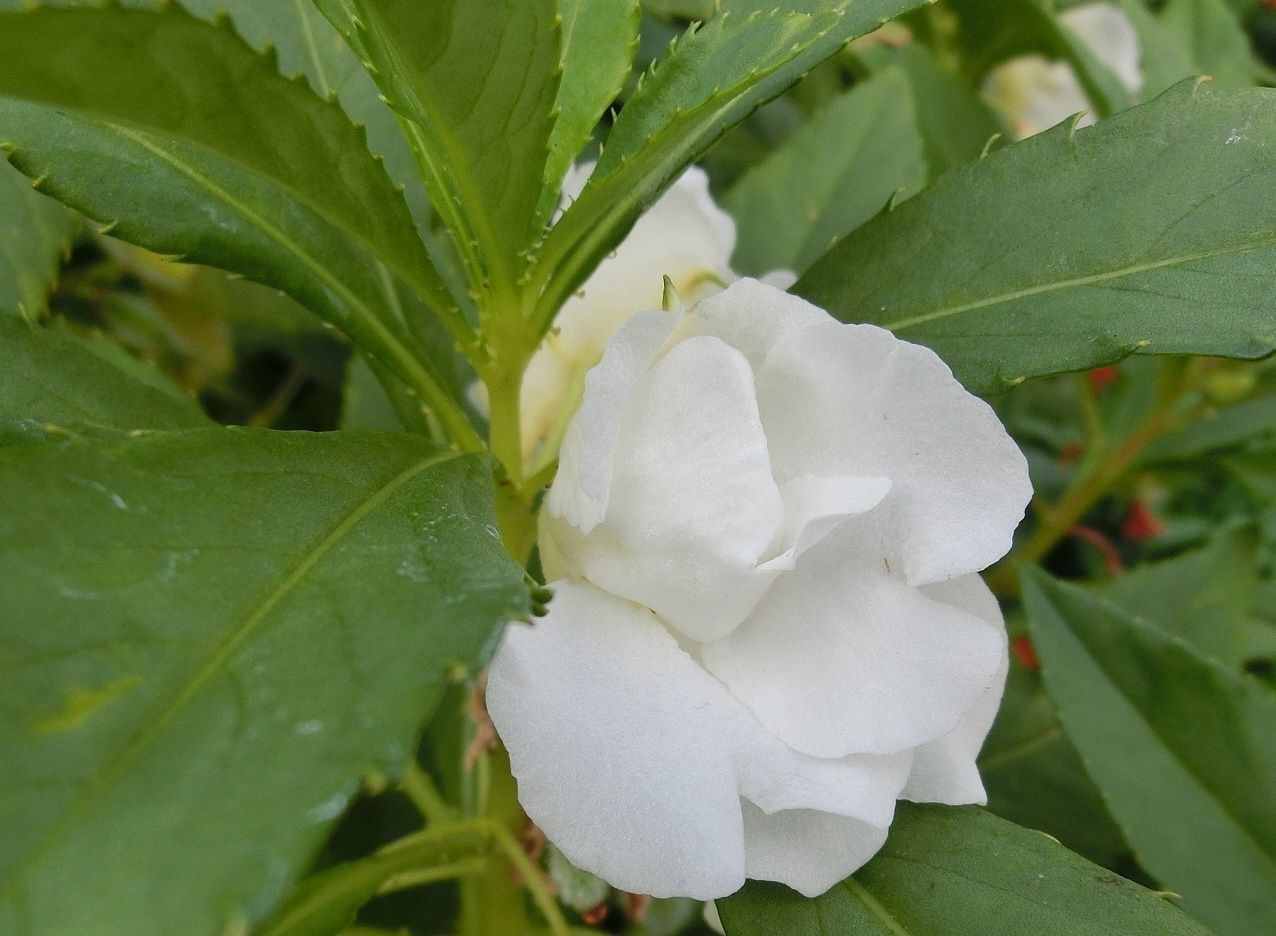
[{"x": 1183, "y": 532}]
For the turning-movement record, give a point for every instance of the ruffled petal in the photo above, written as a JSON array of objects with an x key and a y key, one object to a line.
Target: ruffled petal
[
  {"x": 944, "y": 770},
  {"x": 808, "y": 851},
  {"x": 854, "y": 400},
  {"x": 814, "y": 507},
  {"x": 693, "y": 505},
  {"x": 633, "y": 759},
  {"x": 582, "y": 486},
  {"x": 752, "y": 317},
  {"x": 842, "y": 656}
]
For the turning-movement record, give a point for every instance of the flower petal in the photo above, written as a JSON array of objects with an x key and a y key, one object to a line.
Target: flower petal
[
  {"x": 944, "y": 770},
  {"x": 633, "y": 759},
  {"x": 751, "y": 316},
  {"x": 693, "y": 505},
  {"x": 854, "y": 400},
  {"x": 582, "y": 486},
  {"x": 809, "y": 851},
  {"x": 842, "y": 656},
  {"x": 814, "y": 507}
]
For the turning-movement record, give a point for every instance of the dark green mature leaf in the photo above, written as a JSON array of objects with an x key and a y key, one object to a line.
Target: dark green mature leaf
[
  {"x": 1035, "y": 778},
  {"x": 714, "y": 77},
  {"x": 1152, "y": 231},
  {"x": 949, "y": 871},
  {"x": 231, "y": 629},
  {"x": 53, "y": 379},
  {"x": 1203, "y": 596},
  {"x": 307, "y": 44},
  {"x": 599, "y": 38},
  {"x": 35, "y": 234},
  {"x": 1180, "y": 745},
  {"x": 832, "y": 175},
  {"x": 476, "y": 83},
  {"x": 177, "y": 136}
]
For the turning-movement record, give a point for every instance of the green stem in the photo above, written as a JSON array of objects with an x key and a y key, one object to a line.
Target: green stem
[
  {"x": 330, "y": 899},
  {"x": 1092, "y": 484},
  {"x": 419, "y": 787}
]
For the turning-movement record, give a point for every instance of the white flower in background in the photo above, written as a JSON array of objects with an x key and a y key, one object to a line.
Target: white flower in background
[
  {"x": 767, "y": 624},
  {"x": 684, "y": 236},
  {"x": 1035, "y": 94}
]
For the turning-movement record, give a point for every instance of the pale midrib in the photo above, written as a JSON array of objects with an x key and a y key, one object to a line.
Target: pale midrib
[
  {"x": 237, "y": 637},
  {"x": 1090, "y": 280},
  {"x": 868, "y": 900}
]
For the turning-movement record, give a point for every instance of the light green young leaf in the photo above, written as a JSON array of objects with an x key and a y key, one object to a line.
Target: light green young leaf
[
  {"x": 1180, "y": 745},
  {"x": 1203, "y": 596},
  {"x": 712, "y": 78},
  {"x": 195, "y": 681},
  {"x": 476, "y": 84},
  {"x": 994, "y": 30},
  {"x": 55, "y": 382},
  {"x": 599, "y": 39},
  {"x": 956, "y": 126},
  {"x": 191, "y": 144},
  {"x": 1151, "y": 231},
  {"x": 35, "y": 234},
  {"x": 1212, "y": 39},
  {"x": 828, "y": 178},
  {"x": 949, "y": 871}
]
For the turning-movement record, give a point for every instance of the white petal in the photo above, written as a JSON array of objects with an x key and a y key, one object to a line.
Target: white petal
[
  {"x": 751, "y": 316},
  {"x": 1112, "y": 38},
  {"x": 693, "y": 505},
  {"x": 583, "y": 484},
  {"x": 633, "y": 759},
  {"x": 814, "y": 507},
  {"x": 842, "y": 656},
  {"x": 944, "y": 770},
  {"x": 808, "y": 851},
  {"x": 854, "y": 400}
]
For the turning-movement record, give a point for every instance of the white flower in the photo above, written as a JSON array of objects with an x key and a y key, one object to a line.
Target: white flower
[
  {"x": 684, "y": 236},
  {"x": 767, "y": 625},
  {"x": 1035, "y": 94}
]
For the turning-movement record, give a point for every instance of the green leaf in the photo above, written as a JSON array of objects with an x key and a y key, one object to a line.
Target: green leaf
[
  {"x": 956, "y": 126},
  {"x": 308, "y": 44},
  {"x": 712, "y": 78},
  {"x": 949, "y": 871},
  {"x": 1151, "y": 231},
  {"x": 35, "y": 234},
  {"x": 994, "y": 30},
  {"x": 1202, "y": 596},
  {"x": 1212, "y": 38},
  {"x": 599, "y": 39},
  {"x": 192, "y": 144},
  {"x": 476, "y": 84},
  {"x": 1180, "y": 745},
  {"x": 54, "y": 381},
  {"x": 1035, "y": 777},
  {"x": 209, "y": 638},
  {"x": 828, "y": 178},
  {"x": 1251, "y": 424}
]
